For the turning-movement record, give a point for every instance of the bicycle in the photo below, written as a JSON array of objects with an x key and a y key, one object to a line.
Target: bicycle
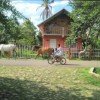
[{"x": 52, "y": 59}]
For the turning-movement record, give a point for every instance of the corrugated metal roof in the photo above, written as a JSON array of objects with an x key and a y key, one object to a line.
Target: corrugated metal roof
[{"x": 63, "y": 11}]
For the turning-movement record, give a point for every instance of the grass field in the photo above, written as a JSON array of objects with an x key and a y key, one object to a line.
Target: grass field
[
  {"x": 97, "y": 70},
  {"x": 48, "y": 83}
]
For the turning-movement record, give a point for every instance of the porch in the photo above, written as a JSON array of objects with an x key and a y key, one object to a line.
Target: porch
[{"x": 56, "y": 30}]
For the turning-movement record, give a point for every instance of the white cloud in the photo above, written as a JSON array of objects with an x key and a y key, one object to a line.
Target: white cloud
[
  {"x": 58, "y": 3},
  {"x": 26, "y": 7},
  {"x": 29, "y": 9}
]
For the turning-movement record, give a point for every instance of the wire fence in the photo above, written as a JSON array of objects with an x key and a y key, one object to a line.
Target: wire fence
[
  {"x": 22, "y": 51},
  {"x": 26, "y": 51},
  {"x": 88, "y": 54}
]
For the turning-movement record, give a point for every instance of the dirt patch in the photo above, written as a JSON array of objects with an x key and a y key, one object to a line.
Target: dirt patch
[{"x": 44, "y": 63}]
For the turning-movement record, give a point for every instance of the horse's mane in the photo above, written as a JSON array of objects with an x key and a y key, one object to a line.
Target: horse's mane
[{"x": 36, "y": 47}]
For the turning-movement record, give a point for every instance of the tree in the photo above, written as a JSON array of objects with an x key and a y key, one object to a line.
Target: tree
[
  {"x": 28, "y": 33},
  {"x": 6, "y": 21},
  {"x": 39, "y": 38},
  {"x": 15, "y": 32},
  {"x": 86, "y": 16},
  {"x": 47, "y": 9}
]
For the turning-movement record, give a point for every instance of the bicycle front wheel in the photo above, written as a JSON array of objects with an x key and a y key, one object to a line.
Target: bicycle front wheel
[
  {"x": 63, "y": 61},
  {"x": 51, "y": 60}
]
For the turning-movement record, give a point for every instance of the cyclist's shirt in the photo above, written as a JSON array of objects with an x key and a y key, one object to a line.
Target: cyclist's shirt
[{"x": 58, "y": 52}]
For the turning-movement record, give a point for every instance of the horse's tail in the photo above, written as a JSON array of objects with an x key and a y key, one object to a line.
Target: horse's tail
[{"x": 39, "y": 52}]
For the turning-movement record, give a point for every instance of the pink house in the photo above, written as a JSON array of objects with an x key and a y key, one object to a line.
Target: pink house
[{"x": 55, "y": 30}]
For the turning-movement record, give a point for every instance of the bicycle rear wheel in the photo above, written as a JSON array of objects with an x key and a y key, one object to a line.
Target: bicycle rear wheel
[
  {"x": 63, "y": 61},
  {"x": 51, "y": 60}
]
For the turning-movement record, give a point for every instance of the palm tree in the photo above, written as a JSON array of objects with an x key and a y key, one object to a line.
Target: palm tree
[{"x": 47, "y": 9}]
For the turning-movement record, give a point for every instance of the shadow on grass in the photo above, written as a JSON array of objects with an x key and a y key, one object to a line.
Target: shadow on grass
[
  {"x": 67, "y": 65},
  {"x": 72, "y": 64},
  {"x": 15, "y": 89}
]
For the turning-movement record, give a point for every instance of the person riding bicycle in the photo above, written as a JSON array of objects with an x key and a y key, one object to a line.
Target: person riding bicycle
[
  {"x": 58, "y": 52},
  {"x": 57, "y": 56}
]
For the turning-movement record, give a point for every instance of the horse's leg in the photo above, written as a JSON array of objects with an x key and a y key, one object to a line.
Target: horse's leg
[
  {"x": 14, "y": 54},
  {"x": 2, "y": 53},
  {"x": 42, "y": 55},
  {"x": 49, "y": 54},
  {"x": 7, "y": 54},
  {"x": 37, "y": 55},
  {"x": 11, "y": 54}
]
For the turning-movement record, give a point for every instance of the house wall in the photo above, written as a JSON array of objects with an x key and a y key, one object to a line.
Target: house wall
[{"x": 60, "y": 40}]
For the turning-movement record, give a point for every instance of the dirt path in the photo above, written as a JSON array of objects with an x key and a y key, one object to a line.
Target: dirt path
[{"x": 44, "y": 63}]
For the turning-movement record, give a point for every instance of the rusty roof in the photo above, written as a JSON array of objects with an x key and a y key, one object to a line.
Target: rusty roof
[{"x": 63, "y": 11}]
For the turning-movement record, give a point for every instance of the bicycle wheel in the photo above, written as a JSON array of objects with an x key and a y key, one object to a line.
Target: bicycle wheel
[
  {"x": 51, "y": 60},
  {"x": 63, "y": 61}
]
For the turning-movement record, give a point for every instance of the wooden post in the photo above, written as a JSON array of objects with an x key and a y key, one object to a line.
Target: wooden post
[{"x": 69, "y": 53}]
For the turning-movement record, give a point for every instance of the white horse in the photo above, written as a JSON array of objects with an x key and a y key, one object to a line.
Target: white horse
[
  {"x": 10, "y": 48},
  {"x": 81, "y": 53}
]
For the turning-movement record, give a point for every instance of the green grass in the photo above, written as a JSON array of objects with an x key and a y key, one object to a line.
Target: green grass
[
  {"x": 48, "y": 83},
  {"x": 28, "y": 54},
  {"x": 25, "y": 53},
  {"x": 97, "y": 70}
]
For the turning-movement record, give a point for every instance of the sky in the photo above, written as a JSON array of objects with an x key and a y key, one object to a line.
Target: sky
[{"x": 31, "y": 10}]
